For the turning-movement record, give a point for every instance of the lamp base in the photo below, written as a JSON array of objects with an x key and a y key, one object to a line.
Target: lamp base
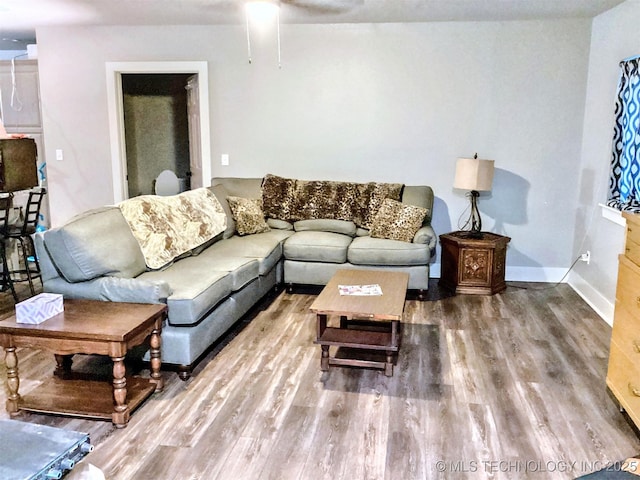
[{"x": 474, "y": 223}]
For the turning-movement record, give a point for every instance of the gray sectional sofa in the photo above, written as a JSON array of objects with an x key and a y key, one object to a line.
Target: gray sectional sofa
[{"x": 208, "y": 288}]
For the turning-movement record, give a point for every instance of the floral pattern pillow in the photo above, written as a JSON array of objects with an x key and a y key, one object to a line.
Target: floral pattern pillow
[
  {"x": 248, "y": 215},
  {"x": 397, "y": 221}
]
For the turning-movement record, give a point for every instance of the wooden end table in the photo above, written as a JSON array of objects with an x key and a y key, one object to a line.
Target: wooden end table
[
  {"x": 367, "y": 323},
  {"x": 90, "y": 327},
  {"x": 473, "y": 264}
]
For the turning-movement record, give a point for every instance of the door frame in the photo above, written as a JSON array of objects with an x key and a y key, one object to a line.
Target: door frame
[{"x": 116, "y": 115}]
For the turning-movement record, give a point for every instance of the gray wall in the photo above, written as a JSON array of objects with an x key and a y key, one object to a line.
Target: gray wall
[
  {"x": 615, "y": 36},
  {"x": 383, "y": 102}
]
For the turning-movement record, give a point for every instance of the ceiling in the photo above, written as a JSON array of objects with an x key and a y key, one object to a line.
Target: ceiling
[{"x": 20, "y": 18}]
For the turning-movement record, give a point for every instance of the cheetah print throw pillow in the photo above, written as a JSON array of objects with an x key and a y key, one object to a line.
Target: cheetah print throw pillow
[
  {"x": 248, "y": 215},
  {"x": 397, "y": 221}
]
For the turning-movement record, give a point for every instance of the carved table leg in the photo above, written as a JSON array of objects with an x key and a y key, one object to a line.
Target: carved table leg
[
  {"x": 13, "y": 380},
  {"x": 156, "y": 359},
  {"x": 63, "y": 365},
  {"x": 321, "y": 327},
  {"x": 120, "y": 416}
]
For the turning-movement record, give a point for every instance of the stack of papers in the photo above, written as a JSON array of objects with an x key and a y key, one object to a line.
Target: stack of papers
[{"x": 362, "y": 290}]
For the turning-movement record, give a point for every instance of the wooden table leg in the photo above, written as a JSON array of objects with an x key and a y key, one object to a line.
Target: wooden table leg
[
  {"x": 120, "y": 416},
  {"x": 63, "y": 365},
  {"x": 321, "y": 327},
  {"x": 388, "y": 366},
  {"x": 324, "y": 360},
  {"x": 156, "y": 359},
  {"x": 13, "y": 380}
]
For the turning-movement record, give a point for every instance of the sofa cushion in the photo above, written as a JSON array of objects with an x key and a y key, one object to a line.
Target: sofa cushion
[
  {"x": 196, "y": 288},
  {"x": 279, "y": 224},
  {"x": 380, "y": 251},
  {"x": 265, "y": 247},
  {"x": 248, "y": 215},
  {"x": 98, "y": 242},
  {"x": 242, "y": 269},
  {"x": 169, "y": 227},
  {"x": 397, "y": 221},
  {"x": 312, "y": 246},
  {"x": 326, "y": 225}
]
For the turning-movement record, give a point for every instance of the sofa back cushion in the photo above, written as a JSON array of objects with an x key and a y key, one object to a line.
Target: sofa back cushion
[
  {"x": 240, "y": 187},
  {"x": 326, "y": 225},
  {"x": 221, "y": 194},
  {"x": 420, "y": 196},
  {"x": 235, "y": 187},
  {"x": 95, "y": 243}
]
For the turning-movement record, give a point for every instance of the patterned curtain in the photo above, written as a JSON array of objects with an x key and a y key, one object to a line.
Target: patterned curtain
[{"x": 624, "y": 182}]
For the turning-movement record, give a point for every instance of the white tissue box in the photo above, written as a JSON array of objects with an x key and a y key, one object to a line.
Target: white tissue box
[{"x": 37, "y": 309}]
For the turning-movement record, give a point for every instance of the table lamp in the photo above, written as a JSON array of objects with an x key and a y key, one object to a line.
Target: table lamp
[{"x": 475, "y": 175}]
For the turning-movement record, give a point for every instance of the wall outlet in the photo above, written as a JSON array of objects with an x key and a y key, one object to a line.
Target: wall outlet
[
  {"x": 586, "y": 257},
  {"x": 224, "y": 159}
]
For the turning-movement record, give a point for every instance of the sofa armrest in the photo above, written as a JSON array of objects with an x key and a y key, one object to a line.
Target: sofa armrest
[
  {"x": 112, "y": 289},
  {"x": 427, "y": 236}
]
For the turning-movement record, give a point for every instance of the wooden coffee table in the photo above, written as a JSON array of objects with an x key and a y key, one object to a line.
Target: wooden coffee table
[
  {"x": 367, "y": 323},
  {"x": 90, "y": 327}
]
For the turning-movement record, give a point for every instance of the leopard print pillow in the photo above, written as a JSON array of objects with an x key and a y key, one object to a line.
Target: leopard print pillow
[
  {"x": 248, "y": 215},
  {"x": 397, "y": 221}
]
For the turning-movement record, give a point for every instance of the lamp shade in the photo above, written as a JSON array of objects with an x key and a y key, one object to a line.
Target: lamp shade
[{"x": 474, "y": 174}]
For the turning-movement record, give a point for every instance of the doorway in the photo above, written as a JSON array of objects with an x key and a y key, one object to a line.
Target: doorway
[
  {"x": 156, "y": 129},
  {"x": 151, "y": 81}
]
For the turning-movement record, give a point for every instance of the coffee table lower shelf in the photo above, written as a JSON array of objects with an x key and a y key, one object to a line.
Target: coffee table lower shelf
[
  {"x": 83, "y": 398},
  {"x": 355, "y": 338},
  {"x": 358, "y": 340}
]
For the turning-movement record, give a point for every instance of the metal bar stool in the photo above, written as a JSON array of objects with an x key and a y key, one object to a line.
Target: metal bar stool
[
  {"x": 23, "y": 234},
  {"x": 5, "y": 208}
]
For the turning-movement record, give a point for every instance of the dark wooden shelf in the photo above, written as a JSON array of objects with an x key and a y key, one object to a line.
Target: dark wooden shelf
[
  {"x": 85, "y": 398},
  {"x": 354, "y": 338}
]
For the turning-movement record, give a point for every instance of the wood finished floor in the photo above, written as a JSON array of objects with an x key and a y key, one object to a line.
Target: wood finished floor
[{"x": 503, "y": 386}]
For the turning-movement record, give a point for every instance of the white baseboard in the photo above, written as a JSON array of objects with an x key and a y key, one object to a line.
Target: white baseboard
[
  {"x": 594, "y": 299},
  {"x": 602, "y": 306},
  {"x": 535, "y": 274},
  {"x": 519, "y": 274}
]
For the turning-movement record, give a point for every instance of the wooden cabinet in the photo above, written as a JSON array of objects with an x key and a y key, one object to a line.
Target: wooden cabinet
[
  {"x": 473, "y": 264},
  {"x": 623, "y": 373}
]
